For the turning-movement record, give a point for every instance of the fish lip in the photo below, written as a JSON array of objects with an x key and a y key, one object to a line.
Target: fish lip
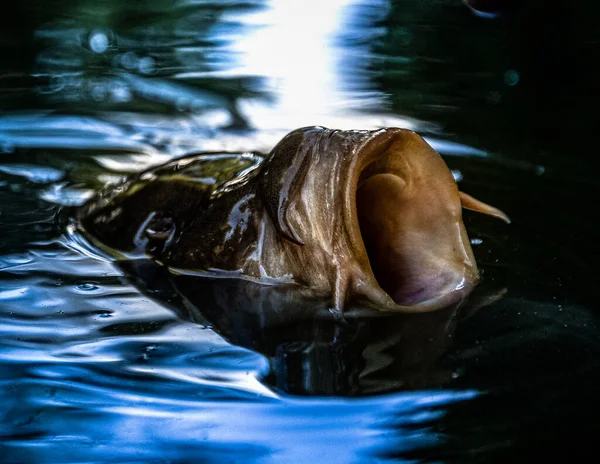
[
  {"x": 372, "y": 149},
  {"x": 455, "y": 297},
  {"x": 451, "y": 294},
  {"x": 376, "y": 145}
]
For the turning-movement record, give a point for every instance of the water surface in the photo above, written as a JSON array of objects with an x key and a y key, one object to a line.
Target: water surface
[{"x": 98, "y": 365}]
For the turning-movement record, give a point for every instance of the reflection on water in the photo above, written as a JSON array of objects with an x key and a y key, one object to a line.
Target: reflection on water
[
  {"x": 93, "y": 368},
  {"x": 248, "y": 65},
  {"x": 102, "y": 363}
]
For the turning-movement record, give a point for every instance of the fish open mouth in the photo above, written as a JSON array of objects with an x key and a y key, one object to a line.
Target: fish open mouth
[{"x": 408, "y": 213}]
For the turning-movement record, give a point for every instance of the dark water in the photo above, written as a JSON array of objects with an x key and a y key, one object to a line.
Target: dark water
[{"x": 101, "y": 363}]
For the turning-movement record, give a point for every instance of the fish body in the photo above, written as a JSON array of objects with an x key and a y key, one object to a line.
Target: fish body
[{"x": 368, "y": 218}]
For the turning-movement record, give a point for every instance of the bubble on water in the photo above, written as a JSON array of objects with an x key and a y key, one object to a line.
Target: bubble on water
[
  {"x": 98, "y": 42},
  {"x": 146, "y": 65},
  {"x": 129, "y": 60},
  {"x": 511, "y": 77},
  {"x": 120, "y": 93},
  {"x": 87, "y": 287},
  {"x": 99, "y": 92}
]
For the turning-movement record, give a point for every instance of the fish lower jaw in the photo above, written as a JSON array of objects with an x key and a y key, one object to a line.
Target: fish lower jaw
[{"x": 434, "y": 294}]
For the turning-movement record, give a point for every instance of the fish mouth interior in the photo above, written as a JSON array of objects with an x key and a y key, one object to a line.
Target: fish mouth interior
[
  {"x": 408, "y": 260},
  {"x": 374, "y": 194}
]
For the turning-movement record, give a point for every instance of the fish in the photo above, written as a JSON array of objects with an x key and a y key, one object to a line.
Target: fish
[{"x": 352, "y": 218}]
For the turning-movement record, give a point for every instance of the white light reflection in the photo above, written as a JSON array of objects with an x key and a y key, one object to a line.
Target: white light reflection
[
  {"x": 314, "y": 76},
  {"x": 32, "y": 172},
  {"x": 60, "y": 194}
]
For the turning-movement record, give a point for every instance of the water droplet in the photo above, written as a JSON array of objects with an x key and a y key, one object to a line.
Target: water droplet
[
  {"x": 146, "y": 65},
  {"x": 87, "y": 287},
  {"x": 129, "y": 60},
  {"x": 458, "y": 176},
  {"x": 99, "y": 92},
  {"x": 98, "y": 42},
  {"x": 120, "y": 93},
  {"x": 511, "y": 77}
]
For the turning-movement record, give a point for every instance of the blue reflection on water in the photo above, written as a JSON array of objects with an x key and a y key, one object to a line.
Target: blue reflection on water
[
  {"x": 92, "y": 368},
  {"x": 89, "y": 423}
]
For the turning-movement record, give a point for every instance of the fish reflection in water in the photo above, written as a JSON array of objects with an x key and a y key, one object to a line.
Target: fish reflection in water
[{"x": 313, "y": 351}]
